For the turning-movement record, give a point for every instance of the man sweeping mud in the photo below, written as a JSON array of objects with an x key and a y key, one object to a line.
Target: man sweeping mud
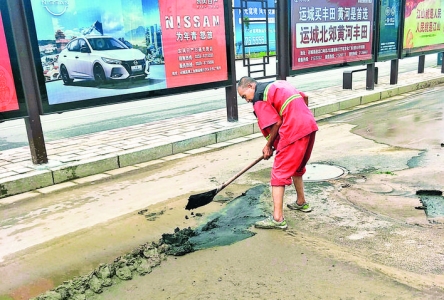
[{"x": 290, "y": 129}]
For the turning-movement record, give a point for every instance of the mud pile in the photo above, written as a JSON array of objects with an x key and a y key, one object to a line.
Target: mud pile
[
  {"x": 140, "y": 261},
  {"x": 222, "y": 228}
]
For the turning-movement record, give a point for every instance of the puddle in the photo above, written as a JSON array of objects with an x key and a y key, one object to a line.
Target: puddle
[
  {"x": 433, "y": 205},
  {"x": 417, "y": 160},
  {"x": 320, "y": 172}
]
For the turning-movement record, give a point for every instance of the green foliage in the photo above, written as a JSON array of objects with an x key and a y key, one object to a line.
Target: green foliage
[
  {"x": 247, "y": 22},
  {"x": 261, "y": 54},
  {"x": 257, "y": 54},
  {"x": 385, "y": 172},
  {"x": 3, "y": 190}
]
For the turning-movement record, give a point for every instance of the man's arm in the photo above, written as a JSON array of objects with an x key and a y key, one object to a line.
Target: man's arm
[{"x": 274, "y": 132}]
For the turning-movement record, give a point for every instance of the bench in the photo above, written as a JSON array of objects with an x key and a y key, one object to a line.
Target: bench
[{"x": 347, "y": 77}]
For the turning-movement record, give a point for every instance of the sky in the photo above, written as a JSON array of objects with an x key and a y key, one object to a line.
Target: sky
[{"x": 116, "y": 16}]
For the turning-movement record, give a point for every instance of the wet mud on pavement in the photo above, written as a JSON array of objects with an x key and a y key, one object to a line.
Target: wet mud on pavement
[
  {"x": 225, "y": 227},
  {"x": 365, "y": 238}
]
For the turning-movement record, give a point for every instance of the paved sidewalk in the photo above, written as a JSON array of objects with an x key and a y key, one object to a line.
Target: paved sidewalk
[{"x": 96, "y": 156}]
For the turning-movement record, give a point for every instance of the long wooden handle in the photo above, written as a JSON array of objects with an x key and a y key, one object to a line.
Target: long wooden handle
[{"x": 225, "y": 184}]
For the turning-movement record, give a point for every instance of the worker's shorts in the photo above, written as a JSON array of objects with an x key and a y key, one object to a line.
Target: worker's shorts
[{"x": 291, "y": 160}]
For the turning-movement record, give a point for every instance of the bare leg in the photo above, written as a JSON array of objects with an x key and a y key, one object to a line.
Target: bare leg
[
  {"x": 299, "y": 186},
  {"x": 278, "y": 202}
]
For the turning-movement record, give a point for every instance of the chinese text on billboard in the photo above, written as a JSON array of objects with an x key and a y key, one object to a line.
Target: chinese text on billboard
[
  {"x": 194, "y": 41},
  {"x": 329, "y": 32},
  {"x": 389, "y": 28},
  {"x": 423, "y": 27}
]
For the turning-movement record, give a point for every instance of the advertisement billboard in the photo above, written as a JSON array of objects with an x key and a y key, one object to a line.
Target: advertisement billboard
[
  {"x": 127, "y": 49},
  {"x": 389, "y": 35},
  {"x": 8, "y": 94},
  {"x": 331, "y": 32},
  {"x": 423, "y": 27},
  {"x": 254, "y": 14},
  {"x": 193, "y": 41}
]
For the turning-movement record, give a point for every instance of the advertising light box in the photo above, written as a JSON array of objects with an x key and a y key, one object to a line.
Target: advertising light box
[
  {"x": 331, "y": 32},
  {"x": 8, "y": 95},
  {"x": 389, "y": 36},
  {"x": 423, "y": 27},
  {"x": 194, "y": 42},
  {"x": 95, "y": 52}
]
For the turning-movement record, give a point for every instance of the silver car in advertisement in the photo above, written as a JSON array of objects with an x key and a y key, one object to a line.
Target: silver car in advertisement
[{"x": 102, "y": 59}]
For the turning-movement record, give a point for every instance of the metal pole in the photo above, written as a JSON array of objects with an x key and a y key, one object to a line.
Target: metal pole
[
  {"x": 394, "y": 69},
  {"x": 283, "y": 34},
  {"x": 231, "y": 91},
  {"x": 421, "y": 64},
  {"x": 231, "y": 100},
  {"x": 441, "y": 55},
  {"x": 370, "y": 81},
  {"x": 28, "y": 76}
]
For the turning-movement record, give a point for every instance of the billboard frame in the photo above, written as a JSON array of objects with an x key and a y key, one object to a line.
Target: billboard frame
[
  {"x": 397, "y": 55},
  {"x": 136, "y": 96},
  {"x": 333, "y": 66},
  {"x": 416, "y": 53}
]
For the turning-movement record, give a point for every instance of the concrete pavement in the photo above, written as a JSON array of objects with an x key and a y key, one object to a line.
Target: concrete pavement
[{"x": 100, "y": 155}]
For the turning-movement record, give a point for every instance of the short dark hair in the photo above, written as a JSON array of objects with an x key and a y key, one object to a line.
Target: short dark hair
[{"x": 245, "y": 81}]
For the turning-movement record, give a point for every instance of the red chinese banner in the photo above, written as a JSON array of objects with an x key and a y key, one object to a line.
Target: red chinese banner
[
  {"x": 193, "y": 34},
  {"x": 330, "y": 32},
  {"x": 8, "y": 96}
]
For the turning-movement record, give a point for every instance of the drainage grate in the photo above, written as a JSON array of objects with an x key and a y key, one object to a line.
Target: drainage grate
[
  {"x": 433, "y": 205},
  {"x": 320, "y": 172}
]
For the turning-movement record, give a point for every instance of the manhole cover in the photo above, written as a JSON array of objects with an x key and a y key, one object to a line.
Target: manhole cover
[{"x": 319, "y": 172}]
